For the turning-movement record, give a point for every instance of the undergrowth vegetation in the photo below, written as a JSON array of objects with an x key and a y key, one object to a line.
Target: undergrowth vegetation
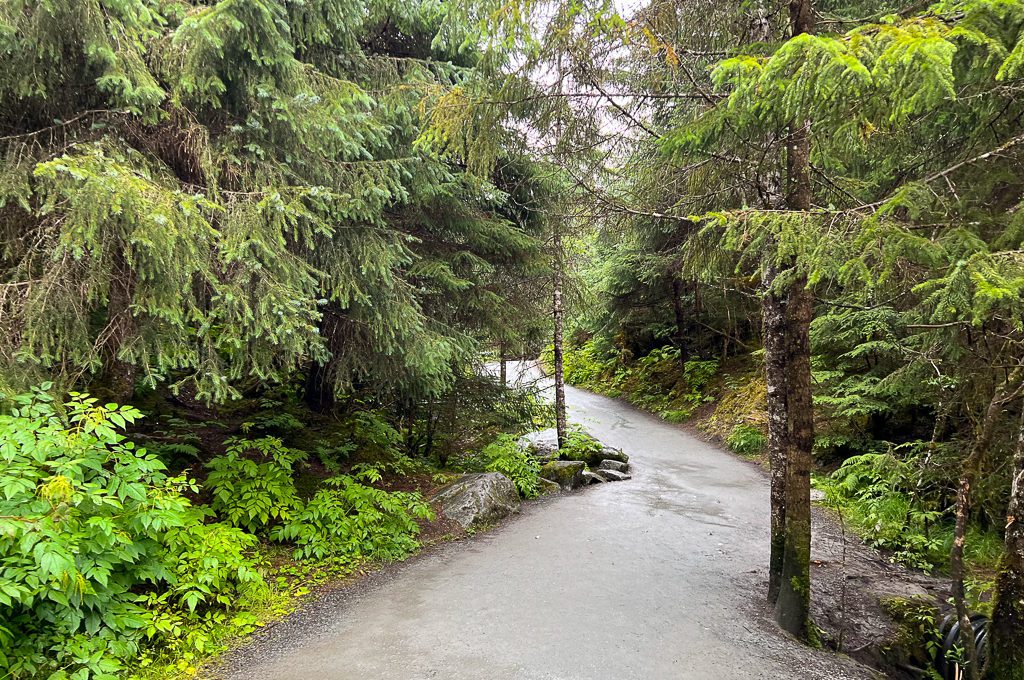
[
  {"x": 116, "y": 561},
  {"x": 104, "y": 556},
  {"x": 660, "y": 381},
  {"x": 887, "y": 500},
  {"x": 504, "y": 455}
]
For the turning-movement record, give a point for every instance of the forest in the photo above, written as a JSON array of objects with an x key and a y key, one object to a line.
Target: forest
[{"x": 255, "y": 255}]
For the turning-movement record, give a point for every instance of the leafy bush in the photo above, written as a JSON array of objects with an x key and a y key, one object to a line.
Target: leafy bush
[
  {"x": 350, "y": 519},
  {"x": 332, "y": 454},
  {"x": 504, "y": 456},
  {"x": 374, "y": 434},
  {"x": 212, "y": 564},
  {"x": 580, "y": 446},
  {"x": 584, "y": 366},
  {"x": 273, "y": 417},
  {"x": 746, "y": 440},
  {"x": 251, "y": 494},
  {"x": 96, "y": 538},
  {"x": 215, "y": 577},
  {"x": 874, "y": 492},
  {"x": 659, "y": 382}
]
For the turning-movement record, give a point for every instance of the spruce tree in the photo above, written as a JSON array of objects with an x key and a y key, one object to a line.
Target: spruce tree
[{"x": 225, "y": 192}]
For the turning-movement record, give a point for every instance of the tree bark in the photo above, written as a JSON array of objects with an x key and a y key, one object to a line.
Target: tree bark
[
  {"x": 503, "y": 371},
  {"x": 773, "y": 310},
  {"x": 793, "y": 604},
  {"x": 319, "y": 393},
  {"x": 557, "y": 313},
  {"x": 790, "y": 573},
  {"x": 677, "y": 308},
  {"x": 1006, "y": 635},
  {"x": 971, "y": 470},
  {"x": 801, "y": 16},
  {"x": 118, "y": 376}
]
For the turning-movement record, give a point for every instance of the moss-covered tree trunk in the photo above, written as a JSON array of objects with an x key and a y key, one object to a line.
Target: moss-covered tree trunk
[
  {"x": 971, "y": 469},
  {"x": 559, "y": 321},
  {"x": 1007, "y": 633},
  {"x": 773, "y": 311},
  {"x": 793, "y": 601}
]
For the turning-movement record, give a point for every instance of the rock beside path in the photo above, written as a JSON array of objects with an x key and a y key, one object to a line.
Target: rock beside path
[
  {"x": 600, "y": 476},
  {"x": 478, "y": 499},
  {"x": 595, "y": 459},
  {"x": 545, "y": 487},
  {"x": 616, "y": 465},
  {"x": 542, "y": 444},
  {"x": 568, "y": 474}
]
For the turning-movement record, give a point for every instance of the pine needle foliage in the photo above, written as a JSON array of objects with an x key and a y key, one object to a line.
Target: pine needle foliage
[{"x": 213, "y": 192}]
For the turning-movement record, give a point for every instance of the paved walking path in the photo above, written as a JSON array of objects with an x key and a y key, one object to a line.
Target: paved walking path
[{"x": 659, "y": 577}]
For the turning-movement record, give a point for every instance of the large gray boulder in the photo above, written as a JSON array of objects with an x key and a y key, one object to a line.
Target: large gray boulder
[
  {"x": 568, "y": 474},
  {"x": 478, "y": 499}
]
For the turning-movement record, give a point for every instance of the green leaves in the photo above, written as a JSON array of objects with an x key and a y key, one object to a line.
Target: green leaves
[
  {"x": 223, "y": 182},
  {"x": 252, "y": 484},
  {"x": 505, "y": 456},
  {"x": 350, "y": 519},
  {"x": 91, "y": 529}
]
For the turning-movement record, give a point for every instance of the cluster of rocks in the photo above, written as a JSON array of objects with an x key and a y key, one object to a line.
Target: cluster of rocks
[{"x": 483, "y": 498}]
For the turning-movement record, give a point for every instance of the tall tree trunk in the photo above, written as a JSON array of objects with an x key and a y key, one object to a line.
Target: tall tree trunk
[
  {"x": 793, "y": 604},
  {"x": 319, "y": 393},
  {"x": 1006, "y": 635},
  {"x": 773, "y": 311},
  {"x": 557, "y": 313},
  {"x": 677, "y": 308},
  {"x": 118, "y": 377},
  {"x": 790, "y": 573},
  {"x": 503, "y": 371},
  {"x": 971, "y": 469}
]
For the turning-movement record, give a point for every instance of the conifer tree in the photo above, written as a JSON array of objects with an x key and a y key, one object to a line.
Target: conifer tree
[{"x": 224, "y": 192}]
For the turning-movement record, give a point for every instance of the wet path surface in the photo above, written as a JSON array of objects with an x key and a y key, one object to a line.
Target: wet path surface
[{"x": 657, "y": 577}]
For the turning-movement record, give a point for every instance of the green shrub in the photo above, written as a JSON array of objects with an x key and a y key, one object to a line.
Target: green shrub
[
  {"x": 873, "y": 491},
  {"x": 350, "y": 519},
  {"x": 580, "y": 446},
  {"x": 504, "y": 456},
  {"x": 252, "y": 494},
  {"x": 272, "y": 416},
  {"x": 746, "y": 440},
  {"x": 374, "y": 434},
  {"x": 211, "y": 563},
  {"x": 96, "y": 539},
  {"x": 658, "y": 382},
  {"x": 584, "y": 366}
]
